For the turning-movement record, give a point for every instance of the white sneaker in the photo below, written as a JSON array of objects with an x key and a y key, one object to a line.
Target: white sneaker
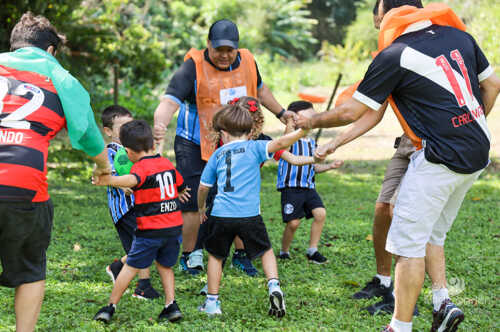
[{"x": 195, "y": 260}]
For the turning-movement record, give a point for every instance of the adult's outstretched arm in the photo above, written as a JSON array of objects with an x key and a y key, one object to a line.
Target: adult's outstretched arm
[
  {"x": 267, "y": 99},
  {"x": 162, "y": 117}
]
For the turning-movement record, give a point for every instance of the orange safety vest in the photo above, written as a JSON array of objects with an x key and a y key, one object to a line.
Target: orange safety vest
[
  {"x": 393, "y": 25},
  {"x": 214, "y": 86}
]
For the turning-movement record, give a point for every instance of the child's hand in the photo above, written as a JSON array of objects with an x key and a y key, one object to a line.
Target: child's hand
[
  {"x": 336, "y": 164},
  {"x": 318, "y": 158},
  {"x": 184, "y": 195},
  {"x": 101, "y": 180},
  {"x": 127, "y": 191}
]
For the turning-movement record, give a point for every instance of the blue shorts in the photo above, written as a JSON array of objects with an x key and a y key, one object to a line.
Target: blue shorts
[{"x": 144, "y": 251}]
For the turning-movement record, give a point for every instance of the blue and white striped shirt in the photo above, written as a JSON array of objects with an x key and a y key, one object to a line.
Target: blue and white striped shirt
[
  {"x": 291, "y": 176},
  {"x": 118, "y": 202}
]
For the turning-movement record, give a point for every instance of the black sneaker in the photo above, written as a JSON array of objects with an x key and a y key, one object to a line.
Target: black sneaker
[
  {"x": 147, "y": 293},
  {"x": 284, "y": 256},
  {"x": 277, "y": 304},
  {"x": 105, "y": 313},
  {"x": 171, "y": 313},
  {"x": 386, "y": 306},
  {"x": 372, "y": 289},
  {"x": 113, "y": 270},
  {"x": 447, "y": 318},
  {"x": 317, "y": 258}
]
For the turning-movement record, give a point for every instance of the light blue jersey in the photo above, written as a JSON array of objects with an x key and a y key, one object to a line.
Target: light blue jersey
[{"x": 236, "y": 168}]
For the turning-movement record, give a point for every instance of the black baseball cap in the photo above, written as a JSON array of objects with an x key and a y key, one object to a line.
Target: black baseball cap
[{"x": 224, "y": 33}]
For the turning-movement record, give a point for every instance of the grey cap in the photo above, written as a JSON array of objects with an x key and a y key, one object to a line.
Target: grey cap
[{"x": 224, "y": 33}]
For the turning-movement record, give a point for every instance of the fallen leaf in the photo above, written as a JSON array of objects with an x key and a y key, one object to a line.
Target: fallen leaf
[
  {"x": 369, "y": 237},
  {"x": 476, "y": 198},
  {"x": 351, "y": 283},
  {"x": 76, "y": 247}
]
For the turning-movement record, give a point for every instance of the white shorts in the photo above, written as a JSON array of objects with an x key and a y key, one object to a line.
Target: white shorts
[{"x": 428, "y": 202}]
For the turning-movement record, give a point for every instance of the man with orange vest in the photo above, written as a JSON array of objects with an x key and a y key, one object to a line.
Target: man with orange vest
[
  {"x": 38, "y": 98},
  {"x": 441, "y": 87},
  {"x": 206, "y": 80}
]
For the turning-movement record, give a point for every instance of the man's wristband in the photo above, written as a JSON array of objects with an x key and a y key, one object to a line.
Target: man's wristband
[{"x": 280, "y": 114}]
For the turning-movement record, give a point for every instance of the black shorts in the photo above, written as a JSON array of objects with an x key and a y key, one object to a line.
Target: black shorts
[
  {"x": 222, "y": 232},
  {"x": 125, "y": 227},
  {"x": 25, "y": 230},
  {"x": 297, "y": 203},
  {"x": 190, "y": 165}
]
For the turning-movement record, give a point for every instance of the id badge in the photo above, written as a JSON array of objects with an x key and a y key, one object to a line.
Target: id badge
[{"x": 226, "y": 95}]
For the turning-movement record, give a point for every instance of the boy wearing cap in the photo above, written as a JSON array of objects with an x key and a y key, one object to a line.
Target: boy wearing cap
[{"x": 207, "y": 80}]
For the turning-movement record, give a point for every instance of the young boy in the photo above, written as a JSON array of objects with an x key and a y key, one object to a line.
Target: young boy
[
  {"x": 235, "y": 168},
  {"x": 121, "y": 202},
  {"x": 158, "y": 187},
  {"x": 298, "y": 194}
]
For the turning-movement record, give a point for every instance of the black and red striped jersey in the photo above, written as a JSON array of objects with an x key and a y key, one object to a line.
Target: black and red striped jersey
[
  {"x": 30, "y": 116},
  {"x": 433, "y": 74},
  {"x": 156, "y": 197}
]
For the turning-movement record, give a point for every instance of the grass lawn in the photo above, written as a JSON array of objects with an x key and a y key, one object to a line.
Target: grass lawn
[{"x": 318, "y": 297}]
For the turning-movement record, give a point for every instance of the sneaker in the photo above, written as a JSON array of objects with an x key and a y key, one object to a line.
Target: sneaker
[
  {"x": 148, "y": 293},
  {"x": 184, "y": 267},
  {"x": 195, "y": 260},
  {"x": 210, "y": 307},
  {"x": 372, "y": 289},
  {"x": 388, "y": 328},
  {"x": 241, "y": 261},
  {"x": 277, "y": 304},
  {"x": 105, "y": 313},
  {"x": 113, "y": 270},
  {"x": 447, "y": 318},
  {"x": 204, "y": 290},
  {"x": 386, "y": 306},
  {"x": 171, "y": 313},
  {"x": 317, "y": 258},
  {"x": 284, "y": 256}
]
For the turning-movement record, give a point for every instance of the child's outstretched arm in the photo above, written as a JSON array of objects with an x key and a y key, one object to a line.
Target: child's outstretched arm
[
  {"x": 202, "y": 199},
  {"x": 296, "y": 160},
  {"x": 124, "y": 181},
  {"x": 285, "y": 141},
  {"x": 320, "y": 168}
]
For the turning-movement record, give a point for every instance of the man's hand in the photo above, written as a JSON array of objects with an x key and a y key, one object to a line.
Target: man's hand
[
  {"x": 101, "y": 170},
  {"x": 336, "y": 164},
  {"x": 101, "y": 180},
  {"x": 323, "y": 150},
  {"x": 203, "y": 214},
  {"x": 288, "y": 115},
  {"x": 303, "y": 122},
  {"x": 184, "y": 195},
  {"x": 159, "y": 132}
]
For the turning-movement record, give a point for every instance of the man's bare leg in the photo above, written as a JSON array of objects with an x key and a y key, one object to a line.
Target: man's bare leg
[
  {"x": 410, "y": 273},
  {"x": 27, "y": 303},
  {"x": 381, "y": 223},
  {"x": 190, "y": 228}
]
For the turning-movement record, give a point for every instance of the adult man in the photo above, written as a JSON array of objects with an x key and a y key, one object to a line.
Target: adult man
[
  {"x": 381, "y": 284},
  {"x": 442, "y": 87},
  {"x": 38, "y": 98},
  {"x": 206, "y": 80}
]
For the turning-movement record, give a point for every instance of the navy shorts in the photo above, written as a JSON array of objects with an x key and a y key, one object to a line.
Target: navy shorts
[
  {"x": 190, "y": 165},
  {"x": 25, "y": 230},
  {"x": 297, "y": 203},
  {"x": 144, "y": 251},
  {"x": 125, "y": 227}
]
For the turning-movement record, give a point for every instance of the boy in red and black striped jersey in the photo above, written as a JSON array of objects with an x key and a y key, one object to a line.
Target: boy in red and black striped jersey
[{"x": 158, "y": 187}]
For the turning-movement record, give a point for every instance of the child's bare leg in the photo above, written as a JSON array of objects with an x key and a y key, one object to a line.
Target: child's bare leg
[
  {"x": 214, "y": 274},
  {"x": 288, "y": 234},
  {"x": 144, "y": 273},
  {"x": 238, "y": 243},
  {"x": 124, "y": 278},
  {"x": 123, "y": 259},
  {"x": 269, "y": 265},
  {"x": 319, "y": 215},
  {"x": 168, "y": 282}
]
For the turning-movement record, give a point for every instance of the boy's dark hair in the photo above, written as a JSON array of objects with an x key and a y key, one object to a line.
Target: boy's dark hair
[
  {"x": 137, "y": 135},
  {"x": 35, "y": 31},
  {"x": 390, "y": 4},
  {"x": 111, "y": 112},
  {"x": 234, "y": 119},
  {"x": 299, "y": 105}
]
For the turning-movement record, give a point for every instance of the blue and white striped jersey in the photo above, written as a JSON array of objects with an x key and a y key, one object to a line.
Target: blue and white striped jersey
[
  {"x": 290, "y": 176},
  {"x": 118, "y": 202}
]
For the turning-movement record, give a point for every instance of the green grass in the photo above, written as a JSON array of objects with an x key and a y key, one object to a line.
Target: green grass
[{"x": 317, "y": 296}]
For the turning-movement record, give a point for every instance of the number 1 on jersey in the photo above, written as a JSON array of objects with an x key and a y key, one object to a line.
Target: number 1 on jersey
[{"x": 228, "y": 187}]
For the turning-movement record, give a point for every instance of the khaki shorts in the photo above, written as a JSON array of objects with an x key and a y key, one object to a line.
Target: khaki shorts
[{"x": 395, "y": 170}]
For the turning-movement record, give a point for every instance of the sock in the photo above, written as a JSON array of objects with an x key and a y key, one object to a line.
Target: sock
[
  {"x": 284, "y": 252},
  {"x": 399, "y": 326},
  {"x": 212, "y": 297},
  {"x": 168, "y": 304},
  {"x": 144, "y": 283},
  {"x": 112, "y": 305},
  {"x": 438, "y": 296},
  {"x": 311, "y": 251},
  {"x": 273, "y": 285},
  {"x": 384, "y": 280}
]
